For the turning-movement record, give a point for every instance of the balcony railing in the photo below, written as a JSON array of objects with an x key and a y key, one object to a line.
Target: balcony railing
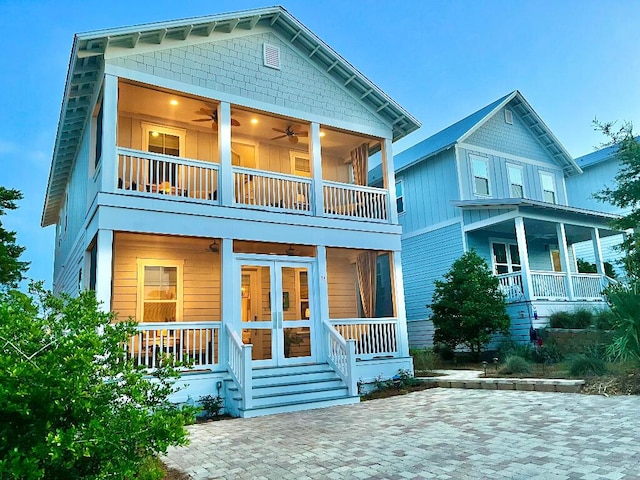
[
  {"x": 374, "y": 337},
  {"x": 553, "y": 286},
  {"x": 355, "y": 201},
  {"x": 271, "y": 191},
  {"x": 587, "y": 286}
]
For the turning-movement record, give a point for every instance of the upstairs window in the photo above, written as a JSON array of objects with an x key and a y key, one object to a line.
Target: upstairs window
[
  {"x": 399, "y": 196},
  {"x": 548, "y": 187},
  {"x": 480, "y": 169},
  {"x": 516, "y": 184}
]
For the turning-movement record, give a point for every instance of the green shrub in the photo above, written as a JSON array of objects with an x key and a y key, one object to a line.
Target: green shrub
[
  {"x": 583, "y": 365},
  {"x": 424, "y": 359},
  {"x": 625, "y": 306},
  {"x": 509, "y": 348},
  {"x": 560, "y": 320},
  {"x": 515, "y": 365},
  {"x": 582, "y": 318},
  {"x": 444, "y": 351},
  {"x": 211, "y": 406},
  {"x": 605, "y": 320},
  {"x": 151, "y": 468}
]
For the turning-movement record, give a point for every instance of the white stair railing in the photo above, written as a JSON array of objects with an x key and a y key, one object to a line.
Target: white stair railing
[
  {"x": 240, "y": 365},
  {"x": 373, "y": 337},
  {"x": 355, "y": 201},
  {"x": 342, "y": 357}
]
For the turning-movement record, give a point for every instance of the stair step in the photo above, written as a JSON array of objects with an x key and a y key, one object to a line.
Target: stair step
[
  {"x": 287, "y": 407},
  {"x": 298, "y": 397},
  {"x": 289, "y": 388},
  {"x": 306, "y": 377},
  {"x": 265, "y": 372}
]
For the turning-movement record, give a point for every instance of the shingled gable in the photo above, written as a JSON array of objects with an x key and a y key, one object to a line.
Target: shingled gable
[{"x": 86, "y": 67}]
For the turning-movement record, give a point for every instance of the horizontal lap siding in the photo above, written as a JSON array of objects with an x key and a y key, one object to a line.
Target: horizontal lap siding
[
  {"x": 426, "y": 258},
  {"x": 201, "y": 273},
  {"x": 341, "y": 280}
]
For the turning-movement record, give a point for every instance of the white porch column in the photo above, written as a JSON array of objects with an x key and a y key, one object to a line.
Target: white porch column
[
  {"x": 399, "y": 304},
  {"x": 564, "y": 258},
  {"x": 104, "y": 268},
  {"x": 389, "y": 179},
  {"x": 224, "y": 150},
  {"x": 323, "y": 299},
  {"x": 316, "y": 161},
  {"x": 109, "y": 161},
  {"x": 521, "y": 239},
  {"x": 597, "y": 251}
]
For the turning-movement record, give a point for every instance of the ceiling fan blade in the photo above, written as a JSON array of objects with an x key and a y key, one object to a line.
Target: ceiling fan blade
[
  {"x": 204, "y": 111},
  {"x": 293, "y": 139},
  {"x": 278, "y": 138},
  {"x": 279, "y": 130},
  {"x": 235, "y": 123},
  {"x": 201, "y": 120}
]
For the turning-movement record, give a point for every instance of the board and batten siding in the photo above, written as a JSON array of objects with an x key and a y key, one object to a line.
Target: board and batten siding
[
  {"x": 426, "y": 258},
  {"x": 610, "y": 253},
  {"x": 595, "y": 178},
  {"x": 201, "y": 273},
  {"x": 235, "y": 66},
  {"x": 429, "y": 187}
]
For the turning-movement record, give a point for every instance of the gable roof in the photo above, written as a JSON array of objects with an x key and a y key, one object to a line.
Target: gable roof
[
  {"x": 459, "y": 131},
  {"x": 84, "y": 78}
]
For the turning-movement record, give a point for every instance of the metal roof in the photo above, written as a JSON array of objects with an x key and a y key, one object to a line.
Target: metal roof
[{"x": 87, "y": 61}]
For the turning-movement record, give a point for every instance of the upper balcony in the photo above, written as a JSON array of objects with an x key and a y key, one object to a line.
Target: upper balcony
[{"x": 190, "y": 149}]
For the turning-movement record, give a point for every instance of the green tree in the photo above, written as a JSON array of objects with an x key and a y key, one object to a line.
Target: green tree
[
  {"x": 468, "y": 306},
  {"x": 72, "y": 405},
  {"x": 11, "y": 268}
]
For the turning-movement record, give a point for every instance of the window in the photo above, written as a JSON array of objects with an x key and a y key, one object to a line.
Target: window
[
  {"x": 300, "y": 164},
  {"x": 506, "y": 258},
  {"x": 516, "y": 184},
  {"x": 548, "y": 187},
  {"x": 164, "y": 141},
  {"x": 98, "y": 136},
  {"x": 399, "y": 196},
  {"x": 480, "y": 169},
  {"x": 159, "y": 291},
  {"x": 93, "y": 265}
]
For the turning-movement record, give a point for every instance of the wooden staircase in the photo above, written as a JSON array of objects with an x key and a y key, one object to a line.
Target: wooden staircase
[{"x": 289, "y": 389}]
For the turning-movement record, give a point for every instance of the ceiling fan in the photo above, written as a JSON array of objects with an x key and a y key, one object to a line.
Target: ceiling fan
[
  {"x": 290, "y": 133},
  {"x": 212, "y": 113}
]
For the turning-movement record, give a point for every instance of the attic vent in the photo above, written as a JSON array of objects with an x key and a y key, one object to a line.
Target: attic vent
[
  {"x": 271, "y": 55},
  {"x": 508, "y": 117}
]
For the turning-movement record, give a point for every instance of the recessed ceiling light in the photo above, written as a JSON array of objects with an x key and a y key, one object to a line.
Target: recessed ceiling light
[
  {"x": 254, "y": 121},
  {"x": 154, "y": 134},
  {"x": 173, "y": 102},
  {"x": 322, "y": 134}
]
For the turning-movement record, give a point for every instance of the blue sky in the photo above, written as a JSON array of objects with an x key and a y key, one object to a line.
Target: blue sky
[{"x": 573, "y": 60}]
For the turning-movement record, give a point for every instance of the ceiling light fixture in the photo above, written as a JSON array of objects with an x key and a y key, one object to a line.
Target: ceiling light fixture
[
  {"x": 173, "y": 102},
  {"x": 290, "y": 251},
  {"x": 322, "y": 134},
  {"x": 154, "y": 134},
  {"x": 214, "y": 247},
  {"x": 254, "y": 121}
]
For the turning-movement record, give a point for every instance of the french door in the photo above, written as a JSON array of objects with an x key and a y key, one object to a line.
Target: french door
[{"x": 276, "y": 310}]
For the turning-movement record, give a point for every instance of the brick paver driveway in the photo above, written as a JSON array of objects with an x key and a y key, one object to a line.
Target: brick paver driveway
[{"x": 438, "y": 433}]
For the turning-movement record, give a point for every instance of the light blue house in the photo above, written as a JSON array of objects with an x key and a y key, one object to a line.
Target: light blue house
[{"x": 495, "y": 182}]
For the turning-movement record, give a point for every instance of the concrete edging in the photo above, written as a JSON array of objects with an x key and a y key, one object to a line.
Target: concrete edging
[{"x": 521, "y": 384}]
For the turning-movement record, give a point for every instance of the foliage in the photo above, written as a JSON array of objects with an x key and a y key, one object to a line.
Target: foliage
[
  {"x": 509, "y": 348},
  {"x": 444, "y": 351},
  {"x": 515, "y": 365},
  {"x": 584, "y": 365},
  {"x": 625, "y": 308},
  {"x": 211, "y": 405},
  {"x": 605, "y": 320},
  {"x": 579, "y": 318},
  {"x": 424, "y": 359},
  {"x": 151, "y": 468},
  {"x": 401, "y": 380},
  {"x": 73, "y": 406},
  {"x": 468, "y": 306},
  {"x": 406, "y": 379},
  {"x": 626, "y": 192},
  {"x": 586, "y": 267},
  {"x": 11, "y": 268}
]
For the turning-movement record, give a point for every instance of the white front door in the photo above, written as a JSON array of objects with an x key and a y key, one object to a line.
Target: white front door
[{"x": 276, "y": 310}]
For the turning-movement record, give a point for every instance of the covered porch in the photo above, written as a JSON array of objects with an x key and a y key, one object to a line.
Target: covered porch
[{"x": 529, "y": 246}]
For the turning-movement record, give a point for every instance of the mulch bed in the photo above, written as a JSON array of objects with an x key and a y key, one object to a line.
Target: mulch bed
[
  {"x": 624, "y": 384},
  {"x": 392, "y": 392}
]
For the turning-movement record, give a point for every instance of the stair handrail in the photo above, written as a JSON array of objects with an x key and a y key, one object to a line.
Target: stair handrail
[
  {"x": 341, "y": 356},
  {"x": 239, "y": 365}
]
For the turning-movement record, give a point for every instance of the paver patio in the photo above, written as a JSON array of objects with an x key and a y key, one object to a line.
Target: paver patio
[{"x": 437, "y": 433}]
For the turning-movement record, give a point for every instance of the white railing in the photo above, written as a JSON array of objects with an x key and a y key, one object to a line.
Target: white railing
[
  {"x": 588, "y": 286},
  {"x": 240, "y": 365},
  {"x": 511, "y": 286},
  {"x": 549, "y": 285},
  {"x": 154, "y": 174},
  {"x": 272, "y": 191},
  {"x": 355, "y": 201},
  {"x": 341, "y": 356},
  {"x": 195, "y": 343},
  {"x": 374, "y": 337}
]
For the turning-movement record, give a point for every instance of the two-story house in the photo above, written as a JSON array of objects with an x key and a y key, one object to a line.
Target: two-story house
[
  {"x": 495, "y": 182},
  {"x": 209, "y": 180}
]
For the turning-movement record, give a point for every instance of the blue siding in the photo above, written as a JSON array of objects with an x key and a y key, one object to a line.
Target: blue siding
[
  {"x": 595, "y": 178},
  {"x": 584, "y": 250},
  {"x": 429, "y": 188},
  {"x": 471, "y": 216},
  {"x": 515, "y": 139}
]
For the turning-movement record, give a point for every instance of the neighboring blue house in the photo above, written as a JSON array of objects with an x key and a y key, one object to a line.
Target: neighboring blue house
[{"x": 495, "y": 182}]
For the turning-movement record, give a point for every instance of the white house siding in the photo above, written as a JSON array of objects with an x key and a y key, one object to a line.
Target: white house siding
[
  {"x": 426, "y": 258},
  {"x": 429, "y": 188},
  {"x": 201, "y": 273},
  {"x": 235, "y": 66}
]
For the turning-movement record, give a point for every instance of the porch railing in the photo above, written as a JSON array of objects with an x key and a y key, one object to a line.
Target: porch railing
[
  {"x": 272, "y": 191},
  {"x": 154, "y": 174},
  {"x": 341, "y": 356},
  {"x": 511, "y": 286},
  {"x": 240, "y": 365},
  {"x": 549, "y": 285},
  {"x": 373, "y": 337},
  {"x": 588, "y": 286},
  {"x": 355, "y": 201},
  {"x": 196, "y": 343}
]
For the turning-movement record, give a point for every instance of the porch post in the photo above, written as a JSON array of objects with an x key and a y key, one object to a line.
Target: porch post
[
  {"x": 597, "y": 250},
  {"x": 104, "y": 268},
  {"x": 521, "y": 238},
  {"x": 399, "y": 304},
  {"x": 389, "y": 179},
  {"x": 227, "y": 297},
  {"x": 564, "y": 258},
  {"x": 323, "y": 299},
  {"x": 316, "y": 161},
  {"x": 109, "y": 162},
  {"x": 224, "y": 150}
]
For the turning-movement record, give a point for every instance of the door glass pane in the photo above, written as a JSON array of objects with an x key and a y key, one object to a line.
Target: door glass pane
[
  {"x": 500, "y": 269},
  {"x": 260, "y": 338},
  {"x": 297, "y": 342},
  {"x": 500, "y": 253},
  {"x": 255, "y": 291},
  {"x": 515, "y": 255},
  {"x": 295, "y": 294}
]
